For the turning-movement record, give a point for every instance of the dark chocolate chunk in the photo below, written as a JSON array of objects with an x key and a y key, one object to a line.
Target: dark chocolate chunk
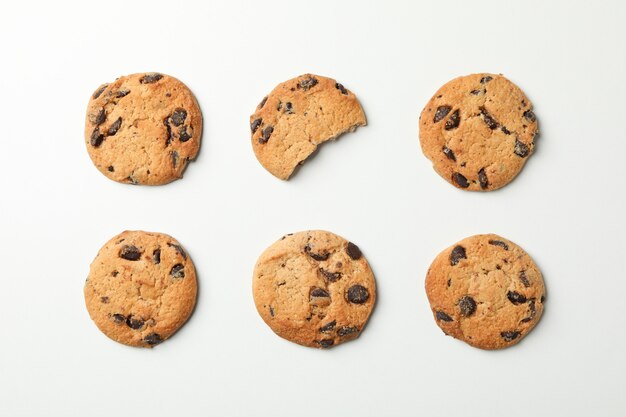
[
  {"x": 530, "y": 116},
  {"x": 122, "y": 93},
  {"x": 101, "y": 117},
  {"x": 326, "y": 343},
  {"x": 156, "y": 256},
  {"x": 115, "y": 127},
  {"x": 267, "y": 133},
  {"x": 521, "y": 149},
  {"x": 486, "y": 79},
  {"x": 150, "y": 78},
  {"x": 262, "y": 103},
  {"x": 99, "y": 91},
  {"x": 441, "y": 316},
  {"x": 178, "y": 249},
  {"x": 134, "y": 324},
  {"x": 153, "y": 339},
  {"x": 475, "y": 92},
  {"x": 505, "y": 130},
  {"x": 454, "y": 120},
  {"x": 174, "y": 156},
  {"x": 178, "y": 271},
  {"x": 341, "y": 88},
  {"x": 178, "y": 116},
  {"x": 489, "y": 120},
  {"x": 460, "y": 180},
  {"x": 524, "y": 279},
  {"x": 441, "y": 112},
  {"x": 515, "y": 297},
  {"x": 183, "y": 136},
  {"x": 255, "y": 125},
  {"x": 457, "y": 254},
  {"x": 482, "y": 179},
  {"x": 499, "y": 243},
  {"x": 467, "y": 305},
  {"x": 316, "y": 256},
  {"x": 119, "y": 318},
  {"x": 353, "y": 251},
  {"x": 96, "y": 138},
  {"x": 533, "y": 311},
  {"x": 110, "y": 168},
  {"x": 307, "y": 83},
  {"x": 170, "y": 137},
  {"x": 130, "y": 252},
  {"x": 448, "y": 152},
  {"x": 328, "y": 327},
  {"x": 510, "y": 336},
  {"x": 330, "y": 276},
  {"x": 319, "y": 292},
  {"x": 357, "y": 294},
  {"x": 114, "y": 273},
  {"x": 345, "y": 330},
  {"x": 288, "y": 108},
  {"x": 271, "y": 311}
]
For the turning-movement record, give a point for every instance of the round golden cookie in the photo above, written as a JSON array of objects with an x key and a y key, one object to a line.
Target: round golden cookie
[
  {"x": 298, "y": 116},
  {"x": 141, "y": 288},
  {"x": 478, "y": 131},
  {"x": 143, "y": 129},
  {"x": 314, "y": 288},
  {"x": 486, "y": 291}
]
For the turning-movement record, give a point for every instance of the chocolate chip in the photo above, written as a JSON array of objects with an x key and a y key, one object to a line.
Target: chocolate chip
[
  {"x": 532, "y": 309},
  {"x": 482, "y": 179},
  {"x": 521, "y": 149},
  {"x": 530, "y": 116},
  {"x": 326, "y": 343},
  {"x": 183, "y": 136},
  {"x": 457, "y": 254},
  {"x": 271, "y": 311},
  {"x": 130, "y": 252},
  {"x": 307, "y": 83},
  {"x": 153, "y": 339},
  {"x": 524, "y": 279},
  {"x": 150, "y": 78},
  {"x": 454, "y": 120},
  {"x": 319, "y": 292},
  {"x": 330, "y": 276},
  {"x": 499, "y": 243},
  {"x": 267, "y": 133},
  {"x": 115, "y": 127},
  {"x": 515, "y": 297},
  {"x": 475, "y": 92},
  {"x": 119, "y": 318},
  {"x": 441, "y": 316},
  {"x": 316, "y": 256},
  {"x": 114, "y": 273},
  {"x": 96, "y": 138},
  {"x": 99, "y": 91},
  {"x": 460, "y": 180},
  {"x": 122, "y": 93},
  {"x": 467, "y": 305},
  {"x": 178, "y": 117},
  {"x": 104, "y": 300},
  {"x": 489, "y": 120},
  {"x": 134, "y": 324},
  {"x": 357, "y": 294},
  {"x": 156, "y": 256},
  {"x": 328, "y": 327},
  {"x": 262, "y": 103},
  {"x": 110, "y": 168},
  {"x": 178, "y": 249},
  {"x": 441, "y": 112},
  {"x": 174, "y": 156},
  {"x": 486, "y": 79},
  {"x": 345, "y": 330},
  {"x": 509, "y": 336},
  {"x": 341, "y": 88},
  {"x": 101, "y": 117},
  {"x": 288, "y": 108},
  {"x": 353, "y": 251},
  {"x": 448, "y": 152},
  {"x": 542, "y": 299},
  {"x": 255, "y": 125},
  {"x": 505, "y": 130},
  {"x": 178, "y": 271},
  {"x": 169, "y": 132}
]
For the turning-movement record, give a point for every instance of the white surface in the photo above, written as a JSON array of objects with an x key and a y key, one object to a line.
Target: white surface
[{"x": 374, "y": 187}]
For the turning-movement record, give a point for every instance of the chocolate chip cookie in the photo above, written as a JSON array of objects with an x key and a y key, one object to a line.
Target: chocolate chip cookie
[
  {"x": 299, "y": 115},
  {"x": 143, "y": 128},
  {"x": 486, "y": 291},
  {"x": 478, "y": 131},
  {"x": 314, "y": 288},
  {"x": 141, "y": 288}
]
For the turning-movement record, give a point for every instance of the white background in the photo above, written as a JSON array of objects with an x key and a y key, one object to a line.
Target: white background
[{"x": 374, "y": 187}]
